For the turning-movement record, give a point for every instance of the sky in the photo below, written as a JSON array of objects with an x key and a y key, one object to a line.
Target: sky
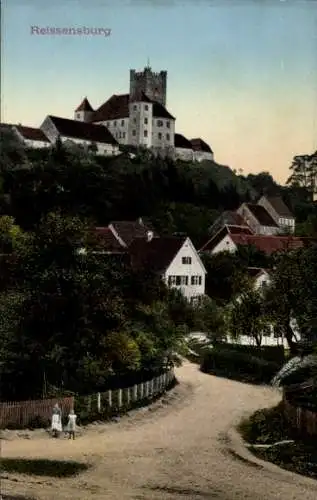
[{"x": 242, "y": 74}]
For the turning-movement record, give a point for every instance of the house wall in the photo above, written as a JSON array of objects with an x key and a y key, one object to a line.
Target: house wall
[
  {"x": 225, "y": 245},
  {"x": 103, "y": 148},
  {"x": 285, "y": 223},
  {"x": 203, "y": 155},
  {"x": 49, "y": 129},
  {"x": 139, "y": 113},
  {"x": 118, "y": 128},
  {"x": 36, "y": 144},
  {"x": 184, "y": 154},
  {"x": 163, "y": 132},
  {"x": 195, "y": 268},
  {"x": 252, "y": 221}
]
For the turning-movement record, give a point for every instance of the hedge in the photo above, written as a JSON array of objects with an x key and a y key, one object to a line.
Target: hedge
[
  {"x": 275, "y": 354},
  {"x": 240, "y": 365}
]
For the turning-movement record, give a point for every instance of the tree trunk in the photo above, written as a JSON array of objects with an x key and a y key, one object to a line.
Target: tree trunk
[{"x": 289, "y": 335}]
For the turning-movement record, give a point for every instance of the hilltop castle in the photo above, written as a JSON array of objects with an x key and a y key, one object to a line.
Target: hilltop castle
[{"x": 138, "y": 119}]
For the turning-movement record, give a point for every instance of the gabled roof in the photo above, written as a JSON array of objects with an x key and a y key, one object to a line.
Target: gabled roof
[
  {"x": 279, "y": 206},
  {"x": 107, "y": 242},
  {"x": 84, "y": 106},
  {"x": 181, "y": 142},
  {"x": 228, "y": 217},
  {"x": 82, "y": 130},
  {"x": 156, "y": 254},
  {"x": 200, "y": 145},
  {"x": 215, "y": 239},
  {"x": 129, "y": 230},
  {"x": 32, "y": 134},
  {"x": 262, "y": 215},
  {"x": 117, "y": 107}
]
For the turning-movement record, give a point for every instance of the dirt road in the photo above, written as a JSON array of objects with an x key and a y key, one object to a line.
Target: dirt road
[{"x": 174, "y": 451}]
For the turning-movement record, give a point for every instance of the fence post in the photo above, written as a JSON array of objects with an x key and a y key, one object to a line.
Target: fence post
[
  {"x": 141, "y": 390},
  {"x": 164, "y": 380},
  {"x": 98, "y": 402},
  {"x": 110, "y": 398},
  {"x": 120, "y": 398},
  {"x": 89, "y": 404},
  {"x": 128, "y": 396},
  {"x": 152, "y": 387},
  {"x": 135, "y": 393},
  {"x": 147, "y": 388}
]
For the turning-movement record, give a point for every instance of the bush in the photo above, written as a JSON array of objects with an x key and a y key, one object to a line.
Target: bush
[
  {"x": 275, "y": 354},
  {"x": 235, "y": 364},
  {"x": 266, "y": 426}
]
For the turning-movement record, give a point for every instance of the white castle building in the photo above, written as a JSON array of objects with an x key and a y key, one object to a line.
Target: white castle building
[{"x": 138, "y": 119}]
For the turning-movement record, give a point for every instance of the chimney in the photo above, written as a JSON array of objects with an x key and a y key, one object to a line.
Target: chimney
[{"x": 149, "y": 235}]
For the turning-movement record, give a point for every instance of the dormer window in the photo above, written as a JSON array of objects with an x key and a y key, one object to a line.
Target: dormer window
[{"x": 186, "y": 260}]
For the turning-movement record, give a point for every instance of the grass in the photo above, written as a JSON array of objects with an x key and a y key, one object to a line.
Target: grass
[
  {"x": 269, "y": 426},
  {"x": 41, "y": 467}
]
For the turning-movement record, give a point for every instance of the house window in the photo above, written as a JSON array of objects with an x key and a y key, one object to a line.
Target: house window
[
  {"x": 134, "y": 120},
  {"x": 186, "y": 260},
  {"x": 196, "y": 280},
  {"x": 78, "y": 116},
  {"x": 145, "y": 121},
  {"x": 145, "y": 133},
  {"x": 159, "y": 123},
  {"x": 134, "y": 133},
  {"x": 134, "y": 107},
  {"x": 167, "y": 137},
  {"x": 146, "y": 107},
  {"x": 123, "y": 135},
  {"x": 122, "y": 123},
  {"x": 159, "y": 135},
  {"x": 178, "y": 280},
  {"x": 168, "y": 124},
  {"x": 172, "y": 280}
]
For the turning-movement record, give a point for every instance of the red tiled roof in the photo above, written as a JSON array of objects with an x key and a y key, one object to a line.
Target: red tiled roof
[
  {"x": 261, "y": 215},
  {"x": 181, "y": 142},
  {"x": 200, "y": 145},
  {"x": 269, "y": 244},
  {"x": 129, "y": 230},
  {"x": 238, "y": 229},
  {"x": 82, "y": 130},
  {"x": 106, "y": 241},
  {"x": 32, "y": 134},
  {"x": 156, "y": 254},
  {"x": 84, "y": 106}
]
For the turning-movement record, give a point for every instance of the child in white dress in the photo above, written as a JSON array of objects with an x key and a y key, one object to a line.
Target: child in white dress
[
  {"x": 56, "y": 426},
  {"x": 71, "y": 426}
]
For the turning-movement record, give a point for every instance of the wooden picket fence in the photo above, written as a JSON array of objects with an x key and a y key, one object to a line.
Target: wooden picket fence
[
  {"x": 124, "y": 399},
  {"x": 23, "y": 413},
  {"x": 301, "y": 420}
]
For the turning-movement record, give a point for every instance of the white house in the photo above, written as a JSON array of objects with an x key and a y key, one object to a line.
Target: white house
[
  {"x": 261, "y": 279},
  {"x": 259, "y": 220},
  {"x": 81, "y": 133},
  {"x": 175, "y": 259},
  {"x": 279, "y": 212},
  {"x": 226, "y": 239},
  {"x": 31, "y": 137}
]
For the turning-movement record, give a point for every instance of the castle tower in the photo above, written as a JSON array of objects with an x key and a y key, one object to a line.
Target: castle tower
[
  {"x": 84, "y": 112},
  {"x": 150, "y": 83}
]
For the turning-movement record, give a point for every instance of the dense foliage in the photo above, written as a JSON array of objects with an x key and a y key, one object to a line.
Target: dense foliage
[{"x": 72, "y": 321}]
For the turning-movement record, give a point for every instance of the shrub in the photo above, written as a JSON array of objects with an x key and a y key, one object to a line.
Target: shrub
[
  {"x": 275, "y": 354},
  {"x": 239, "y": 365},
  {"x": 266, "y": 426}
]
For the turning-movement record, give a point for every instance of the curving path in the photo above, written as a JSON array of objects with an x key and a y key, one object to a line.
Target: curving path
[{"x": 175, "y": 451}]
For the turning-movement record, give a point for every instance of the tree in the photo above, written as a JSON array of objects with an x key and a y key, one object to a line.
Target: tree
[
  {"x": 248, "y": 317},
  {"x": 304, "y": 173}
]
